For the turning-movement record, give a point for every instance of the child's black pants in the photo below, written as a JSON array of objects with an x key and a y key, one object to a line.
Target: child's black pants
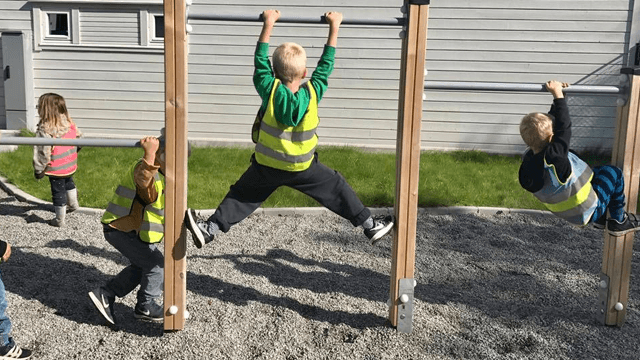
[{"x": 320, "y": 182}]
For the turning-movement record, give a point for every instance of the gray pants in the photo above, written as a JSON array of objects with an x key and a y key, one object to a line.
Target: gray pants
[{"x": 146, "y": 269}]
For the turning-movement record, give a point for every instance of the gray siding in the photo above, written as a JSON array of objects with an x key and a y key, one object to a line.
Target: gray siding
[
  {"x": 3, "y": 116},
  {"x": 361, "y": 104},
  {"x": 581, "y": 42},
  {"x": 112, "y": 94},
  {"x": 108, "y": 26},
  {"x": 119, "y": 90}
]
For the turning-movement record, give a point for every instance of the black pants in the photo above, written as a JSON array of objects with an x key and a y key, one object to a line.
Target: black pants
[
  {"x": 325, "y": 185},
  {"x": 59, "y": 187}
]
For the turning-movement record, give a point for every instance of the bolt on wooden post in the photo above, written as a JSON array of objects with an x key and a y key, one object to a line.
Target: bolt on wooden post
[
  {"x": 175, "y": 57},
  {"x": 414, "y": 46},
  {"x": 618, "y": 251}
]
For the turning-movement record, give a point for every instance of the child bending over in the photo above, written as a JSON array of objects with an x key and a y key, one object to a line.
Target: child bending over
[
  {"x": 564, "y": 183},
  {"x": 133, "y": 224},
  {"x": 57, "y": 162},
  {"x": 285, "y": 136}
]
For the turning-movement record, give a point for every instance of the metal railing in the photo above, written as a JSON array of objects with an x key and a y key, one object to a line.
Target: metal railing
[
  {"x": 295, "y": 19},
  {"x": 514, "y": 87},
  {"x": 89, "y": 142}
]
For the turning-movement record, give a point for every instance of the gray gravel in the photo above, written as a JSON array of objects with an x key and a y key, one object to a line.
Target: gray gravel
[{"x": 502, "y": 286}]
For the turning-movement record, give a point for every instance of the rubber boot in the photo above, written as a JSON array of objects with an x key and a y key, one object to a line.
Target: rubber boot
[
  {"x": 72, "y": 200},
  {"x": 58, "y": 221}
]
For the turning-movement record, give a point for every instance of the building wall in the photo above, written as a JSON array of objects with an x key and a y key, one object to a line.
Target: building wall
[
  {"x": 112, "y": 77},
  {"x": 11, "y": 18},
  {"x": 3, "y": 116}
]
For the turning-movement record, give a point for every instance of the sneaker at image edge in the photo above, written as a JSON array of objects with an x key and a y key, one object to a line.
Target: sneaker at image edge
[
  {"x": 198, "y": 229},
  {"x": 149, "y": 311},
  {"x": 16, "y": 353},
  {"x": 103, "y": 303},
  {"x": 381, "y": 226},
  {"x": 630, "y": 223}
]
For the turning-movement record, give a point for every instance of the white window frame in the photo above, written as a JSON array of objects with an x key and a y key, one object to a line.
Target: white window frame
[
  {"x": 47, "y": 29},
  {"x": 42, "y": 34},
  {"x": 153, "y": 40},
  {"x": 148, "y": 29}
]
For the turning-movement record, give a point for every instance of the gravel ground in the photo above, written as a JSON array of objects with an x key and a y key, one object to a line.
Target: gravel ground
[{"x": 502, "y": 286}]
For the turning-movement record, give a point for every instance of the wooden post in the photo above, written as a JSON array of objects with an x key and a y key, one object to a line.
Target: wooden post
[
  {"x": 175, "y": 57},
  {"x": 617, "y": 251},
  {"x": 414, "y": 47}
]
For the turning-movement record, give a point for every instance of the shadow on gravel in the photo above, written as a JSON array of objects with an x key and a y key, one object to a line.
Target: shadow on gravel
[
  {"x": 23, "y": 211},
  {"x": 70, "y": 244},
  {"x": 545, "y": 271},
  {"x": 63, "y": 286},
  {"x": 328, "y": 279}
]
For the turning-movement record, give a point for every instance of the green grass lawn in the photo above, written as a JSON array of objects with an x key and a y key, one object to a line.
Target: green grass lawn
[{"x": 458, "y": 178}]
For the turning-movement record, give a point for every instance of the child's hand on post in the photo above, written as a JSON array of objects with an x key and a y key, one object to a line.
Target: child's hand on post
[
  {"x": 555, "y": 88},
  {"x": 270, "y": 16}
]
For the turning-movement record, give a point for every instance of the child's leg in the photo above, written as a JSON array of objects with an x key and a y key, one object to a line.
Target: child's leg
[
  {"x": 72, "y": 195},
  {"x": 608, "y": 183},
  {"x": 58, "y": 191},
  {"x": 245, "y": 196},
  {"x": 5, "y": 323},
  {"x": 329, "y": 188},
  {"x": 146, "y": 268}
]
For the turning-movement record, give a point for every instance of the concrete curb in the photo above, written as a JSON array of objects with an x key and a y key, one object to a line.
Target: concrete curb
[{"x": 447, "y": 210}]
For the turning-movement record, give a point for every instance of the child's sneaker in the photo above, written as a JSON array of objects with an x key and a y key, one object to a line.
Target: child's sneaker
[
  {"x": 149, "y": 311},
  {"x": 103, "y": 303},
  {"x": 381, "y": 226},
  {"x": 199, "y": 229},
  {"x": 601, "y": 223},
  {"x": 630, "y": 223},
  {"x": 15, "y": 352}
]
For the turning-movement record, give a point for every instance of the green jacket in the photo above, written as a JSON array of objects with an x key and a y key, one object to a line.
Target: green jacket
[{"x": 289, "y": 107}]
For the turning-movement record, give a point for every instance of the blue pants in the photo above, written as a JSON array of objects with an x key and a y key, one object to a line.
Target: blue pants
[
  {"x": 608, "y": 184},
  {"x": 146, "y": 268},
  {"x": 5, "y": 323}
]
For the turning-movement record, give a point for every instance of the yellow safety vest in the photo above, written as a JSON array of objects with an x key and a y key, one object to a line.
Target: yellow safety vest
[
  {"x": 152, "y": 227},
  {"x": 284, "y": 147},
  {"x": 574, "y": 200}
]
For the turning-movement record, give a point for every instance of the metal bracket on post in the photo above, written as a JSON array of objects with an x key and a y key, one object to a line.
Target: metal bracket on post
[
  {"x": 603, "y": 298},
  {"x": 405, "y": 305}
]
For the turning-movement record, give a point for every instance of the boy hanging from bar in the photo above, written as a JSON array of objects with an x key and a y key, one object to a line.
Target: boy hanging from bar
[
  {"x": 285, "y": 136},
  {"x": 565, "y": 184}
]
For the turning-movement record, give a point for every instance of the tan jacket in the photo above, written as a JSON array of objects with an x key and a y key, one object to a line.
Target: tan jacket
[{"x": 143, "y": 176}]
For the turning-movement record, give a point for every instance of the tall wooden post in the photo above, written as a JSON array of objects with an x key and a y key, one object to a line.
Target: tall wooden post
[
  {"x": 414, "y": 46},
  {"x": 175, "y": 57},
  {"x": 618, "y": 251}
]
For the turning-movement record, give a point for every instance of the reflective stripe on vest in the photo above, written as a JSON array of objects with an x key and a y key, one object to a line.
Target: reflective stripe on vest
[
  {"x": 64, "y": 159},
  {"x": 284, "y": 147},
  {"x": 152, "y": 227},
  {"x": 574, "y": 200}
]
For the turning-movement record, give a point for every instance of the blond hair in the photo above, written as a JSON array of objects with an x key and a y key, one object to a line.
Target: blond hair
[
  {"x": 536, "y": 130},
  {"x": 289, "y": 62},
  {"x": 54, "y": 117}
]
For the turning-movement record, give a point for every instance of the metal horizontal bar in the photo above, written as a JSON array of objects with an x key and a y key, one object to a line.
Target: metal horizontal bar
[
  {"x": 89, "y": 142},
  {"x": 487, "y": 86},
  {"x": 294, "y": 19}
]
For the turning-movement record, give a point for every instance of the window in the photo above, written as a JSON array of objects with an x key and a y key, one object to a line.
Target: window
[
  {"x": 57, "y": 25},
  {"x": 158, "y": 27}
]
